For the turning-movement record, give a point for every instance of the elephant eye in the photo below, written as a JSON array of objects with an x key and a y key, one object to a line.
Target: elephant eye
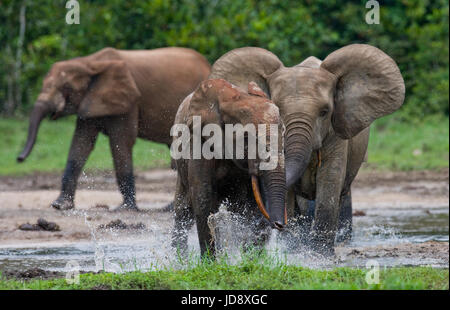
[{"x": 323, "y": 112}]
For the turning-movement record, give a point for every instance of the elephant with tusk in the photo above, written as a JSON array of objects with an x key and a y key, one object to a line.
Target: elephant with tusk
[
  {"x": 203, "y": 184},
  {"x": 124, "y": 94},
  {"x": 327, "y": 107}
]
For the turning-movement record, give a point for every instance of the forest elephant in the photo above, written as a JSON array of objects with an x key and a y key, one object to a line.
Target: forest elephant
[
  {"x": 250, "y": 188},
  {"x": 124, "y": 94},
  {"x": 327, "y": 107}
]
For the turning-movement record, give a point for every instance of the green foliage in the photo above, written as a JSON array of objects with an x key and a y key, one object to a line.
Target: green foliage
[
  {"x": 413, "y": 32},
  {"x": 250, "y": 274},
  {"x": 254, "y": 270}
]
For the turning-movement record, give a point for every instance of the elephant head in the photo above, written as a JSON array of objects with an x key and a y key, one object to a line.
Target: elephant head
[
  {"x": 219, "y": 102},
  {"x": 92, "y": 86},
  {"x": 342, "y": 95}
]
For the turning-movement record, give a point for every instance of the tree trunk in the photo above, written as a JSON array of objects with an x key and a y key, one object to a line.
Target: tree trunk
[{"x": 18, "y": 63}]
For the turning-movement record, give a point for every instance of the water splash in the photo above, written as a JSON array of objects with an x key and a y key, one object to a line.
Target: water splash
[{"x": 151, "y": 249}]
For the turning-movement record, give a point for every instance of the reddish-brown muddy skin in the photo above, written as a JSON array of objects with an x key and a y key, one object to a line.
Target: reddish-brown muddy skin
[{"x": 203, "y": 184}]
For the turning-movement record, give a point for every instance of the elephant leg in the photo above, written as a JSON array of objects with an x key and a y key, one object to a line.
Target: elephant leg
[
  {"x": 330, "y": 179},
  {"x": 170, "y": 207},
  {"x": 345, "y": 218},
  {"x": 184, "y": 219},
  {"x": 83, "y": 142},
  {"x": 204, "y": 201},
  {"x": 307, "y": 210},
  {"x": 122, "y": 151}
]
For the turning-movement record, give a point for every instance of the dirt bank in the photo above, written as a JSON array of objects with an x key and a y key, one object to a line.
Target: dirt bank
[
  {"x": 429, "y": 253},
  {"x": 163, "y": 180}
]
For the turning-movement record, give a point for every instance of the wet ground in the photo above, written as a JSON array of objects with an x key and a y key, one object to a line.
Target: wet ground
[{"x": 401, "y": 219}]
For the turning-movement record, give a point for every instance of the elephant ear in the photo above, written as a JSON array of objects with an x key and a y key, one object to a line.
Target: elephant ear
[
  {"x": 112, "y": 90},
  {"x": 369, "y": 85},
  {"x": 243, "y": 65}
]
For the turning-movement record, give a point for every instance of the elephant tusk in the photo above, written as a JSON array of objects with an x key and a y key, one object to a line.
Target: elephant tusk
[
  {"x": 258, "y": 198},
  {"x": 285, "y": 216}
]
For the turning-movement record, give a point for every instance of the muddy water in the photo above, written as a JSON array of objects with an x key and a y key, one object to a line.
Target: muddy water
[
  {"x": 394, "y": 225},
  {"x": 399, "y": 224}
]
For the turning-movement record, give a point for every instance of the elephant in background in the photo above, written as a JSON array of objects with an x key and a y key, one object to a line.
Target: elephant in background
[
  {"x": 327, "y": 107},
  {"x": 203, "y": 184},
  {"x": 124, "y": 94}
]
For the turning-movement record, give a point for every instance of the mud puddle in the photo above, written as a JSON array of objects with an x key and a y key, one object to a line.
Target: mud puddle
[{"x": 402, "y": 221}]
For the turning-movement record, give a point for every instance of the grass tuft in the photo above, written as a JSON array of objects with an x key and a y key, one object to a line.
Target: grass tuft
[
  {"x": 249, "y": 276},
  {"x": 395, "y": 145}
]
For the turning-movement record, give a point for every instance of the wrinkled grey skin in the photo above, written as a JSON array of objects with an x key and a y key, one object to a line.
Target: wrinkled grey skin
[
  {"x": 124, "y": 94},
  {"x": 328, "y": 107},
  {"x": 203, "y": 184}
]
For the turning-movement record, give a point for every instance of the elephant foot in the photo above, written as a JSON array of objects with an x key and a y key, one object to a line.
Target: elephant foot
[
  {"x": 324, "y": 251},
  {"x": 344, "y": 237},
  {"x": 168, "y": 208},
  {"x": 63, "y": 204},
  {"x": 344, "y": 234},
  {"x": 322, "y": 247},
  {"x": 127, "y": 207}
]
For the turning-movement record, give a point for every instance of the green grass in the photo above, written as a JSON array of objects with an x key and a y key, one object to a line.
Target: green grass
[
  {"x": 393, "y": 145},
  {"x": 417, "y": 145},
  {"x": 249, "y": 274},
  {"x": 52, "y": 147}
]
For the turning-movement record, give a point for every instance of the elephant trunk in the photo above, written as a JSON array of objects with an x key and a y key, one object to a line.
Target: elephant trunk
[
  {"x": 275, "y": 183},
  {"x": 273, "y": 187},
  {"x": 40, "y": 110},
  {"x": 298, "y": 149}
]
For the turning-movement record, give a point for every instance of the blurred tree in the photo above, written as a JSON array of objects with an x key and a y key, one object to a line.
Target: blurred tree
[{"x": 413, "y": 32}]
